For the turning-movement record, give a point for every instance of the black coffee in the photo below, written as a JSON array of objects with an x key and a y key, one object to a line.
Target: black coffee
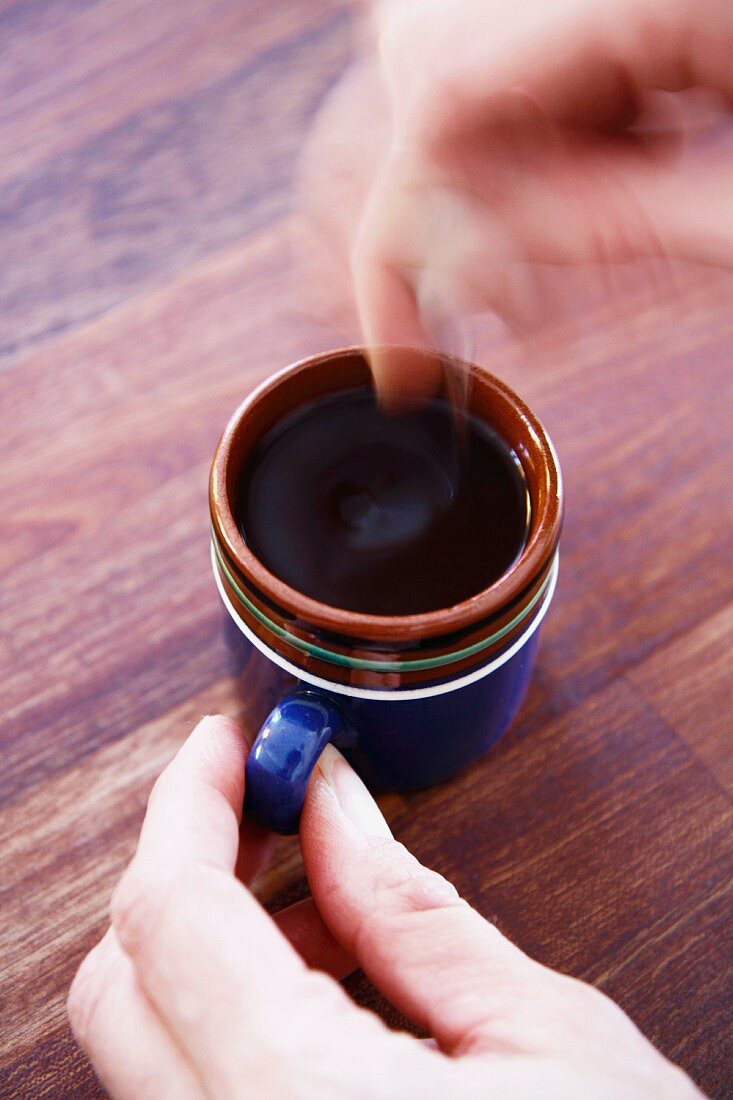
[{"x": 391, "y": 515}]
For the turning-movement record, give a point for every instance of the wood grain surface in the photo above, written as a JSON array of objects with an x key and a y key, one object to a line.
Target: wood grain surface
[{"x": 145, "y": 196}]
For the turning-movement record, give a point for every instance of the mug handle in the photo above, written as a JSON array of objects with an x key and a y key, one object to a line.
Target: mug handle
[{"x": 284, "y": 754}]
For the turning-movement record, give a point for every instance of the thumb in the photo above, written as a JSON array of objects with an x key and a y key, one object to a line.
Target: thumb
[{"x": 429, "y": 952}]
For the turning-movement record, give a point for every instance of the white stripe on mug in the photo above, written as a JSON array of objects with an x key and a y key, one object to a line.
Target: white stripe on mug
[{"x": 395, "y": 694}]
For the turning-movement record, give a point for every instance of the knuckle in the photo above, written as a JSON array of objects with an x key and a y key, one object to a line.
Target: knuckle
[
  {"x": 135, "y": 904},
  {"x": 87, "y": 994},
  {"x": 81, "y": 998},
  {"x": 582, "y": 997},
  {"x": 413, "y": 886},
  {"x": 402, "y": 889},
  {"x": 578, "y": 1008},
  {"x": 160, "y": 787},
  {"x": 148, "y": 898}
]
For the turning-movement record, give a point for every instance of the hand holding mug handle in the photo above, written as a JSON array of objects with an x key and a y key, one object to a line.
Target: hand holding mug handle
[{"x": 195, "y": 983}]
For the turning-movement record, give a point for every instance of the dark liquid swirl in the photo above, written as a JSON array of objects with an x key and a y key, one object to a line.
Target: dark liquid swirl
[{"x": 379, "y": 514}]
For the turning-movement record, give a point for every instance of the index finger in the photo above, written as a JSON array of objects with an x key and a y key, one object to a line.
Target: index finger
[
  {"x": 208, "y": 956},
  {"x": 220, "y": 973},
  {"x": 195, "y": 807},
  {"x": 393, "y": 331}
]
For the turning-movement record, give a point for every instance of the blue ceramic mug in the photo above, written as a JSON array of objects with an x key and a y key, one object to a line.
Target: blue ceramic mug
[{"x": 409, "y": 699}]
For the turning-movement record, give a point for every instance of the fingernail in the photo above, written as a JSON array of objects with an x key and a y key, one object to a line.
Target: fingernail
[{"x": 352, "y": 796}]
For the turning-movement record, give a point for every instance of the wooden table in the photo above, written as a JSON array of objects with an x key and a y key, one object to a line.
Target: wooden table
[{"x": 144, "y": 191}]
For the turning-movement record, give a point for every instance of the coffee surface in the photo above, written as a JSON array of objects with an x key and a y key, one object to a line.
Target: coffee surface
[{"x": 389, "y": 515}]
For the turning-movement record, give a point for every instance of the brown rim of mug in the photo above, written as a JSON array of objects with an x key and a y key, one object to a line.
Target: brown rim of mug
[{"x": 348, "y": 367}]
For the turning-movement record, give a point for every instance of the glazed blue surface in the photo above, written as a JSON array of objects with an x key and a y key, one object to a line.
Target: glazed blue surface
[
  {"x": 393, "y": 743},
  {"x": 282, "y": 757}
]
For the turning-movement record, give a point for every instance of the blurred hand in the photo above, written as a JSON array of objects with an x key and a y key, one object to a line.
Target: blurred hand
[
  {"x": 196, "y": 992},
  {"x": 493, "y": 144}
]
